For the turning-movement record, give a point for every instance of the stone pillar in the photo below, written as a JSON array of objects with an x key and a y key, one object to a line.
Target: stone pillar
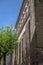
[
  {"x": 13, "y": 57},
  {"x": 21, "y": 52},
  {"x": 32, "y": 30},
  {"x": 18, "y": 55},
  {"x": 28, "y": 43},
  {"x": 24, "y": 48}
]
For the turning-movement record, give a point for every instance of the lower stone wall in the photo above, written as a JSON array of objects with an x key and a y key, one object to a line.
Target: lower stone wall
[{"x": 8, "y": 60}]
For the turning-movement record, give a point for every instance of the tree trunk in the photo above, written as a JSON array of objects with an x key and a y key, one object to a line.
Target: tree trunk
[
  {"x": 4, "y": 59},
  {"x": 0, "y": 62},
  {"x": 11, "y": 58}
]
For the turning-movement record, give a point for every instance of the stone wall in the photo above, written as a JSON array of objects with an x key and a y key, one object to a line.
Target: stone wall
[
  {"x": 39, "y": 22},
  {"x": 8, "y": 60}
]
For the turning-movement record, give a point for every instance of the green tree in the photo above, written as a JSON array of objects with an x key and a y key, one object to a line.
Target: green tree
[
  {"x": 1, "y": 48},
  {"x": 8, "y": 41}
]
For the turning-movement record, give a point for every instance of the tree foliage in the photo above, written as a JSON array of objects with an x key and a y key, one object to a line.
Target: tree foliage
[
  {"x": 1, "y": 48},
  {"x": 8, "y": 40}
]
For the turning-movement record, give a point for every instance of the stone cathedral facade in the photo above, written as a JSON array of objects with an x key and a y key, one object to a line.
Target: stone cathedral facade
[{"x": 29, "y": 26}]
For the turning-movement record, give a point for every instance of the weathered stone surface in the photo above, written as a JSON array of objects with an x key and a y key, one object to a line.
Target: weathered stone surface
[{"x": 39, "y": 22}]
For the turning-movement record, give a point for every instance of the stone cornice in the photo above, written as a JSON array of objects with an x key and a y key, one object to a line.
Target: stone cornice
[
  {"x": 20, "y": 13},
  {"x": 23, "y": 16}
]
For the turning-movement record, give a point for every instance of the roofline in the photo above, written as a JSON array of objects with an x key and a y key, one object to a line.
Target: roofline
[{"x": 21, "y": 10}]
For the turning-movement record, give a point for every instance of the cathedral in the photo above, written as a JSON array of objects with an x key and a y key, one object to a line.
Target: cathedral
[{"x": 29, "y": 26}]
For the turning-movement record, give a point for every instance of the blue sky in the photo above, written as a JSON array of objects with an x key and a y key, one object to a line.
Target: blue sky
[{"x": 9, "y": 11}]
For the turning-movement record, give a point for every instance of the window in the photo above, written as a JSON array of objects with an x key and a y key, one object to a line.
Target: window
[
  {"x": 23, "y": 16},
  {"x": 20, "y": 25},
  {"x": 26, "y": 5},
  {"x": 22, "y": 20},
  {"x": 25, "y": 9},
  {"x": 27, "y": 2}
]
